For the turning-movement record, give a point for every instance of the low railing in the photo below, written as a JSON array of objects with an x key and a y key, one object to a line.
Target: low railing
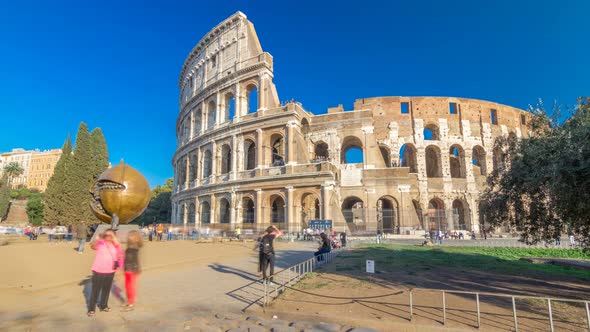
[
  {"x": 291, "y": 275},
  {"x": 500, "y": 295}
]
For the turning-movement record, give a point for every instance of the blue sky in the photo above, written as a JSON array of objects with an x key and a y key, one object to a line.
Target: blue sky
[{"x": 115, "y": 64}]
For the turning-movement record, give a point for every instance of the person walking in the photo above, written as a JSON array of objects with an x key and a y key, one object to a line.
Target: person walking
[
  {"x": 343, "y": 239},
  {"x": 70, "y": 233},
  {"x": 267, "y": 251},
  {"x": 160, "y": 230},
  {"x": 439, "y": 236},
  {"x": 108, "y": 259},
  {"x": 81, "y": 234},
  {"x": 132, "y": 267}
]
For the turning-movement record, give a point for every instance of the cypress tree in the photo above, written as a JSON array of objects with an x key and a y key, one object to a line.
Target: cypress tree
[
  {"x": 80, "y": 178},
  {"x": 100, "y": 152},
  {"x": 4, "y": 196},
  {"x": 55, "y": 205}
]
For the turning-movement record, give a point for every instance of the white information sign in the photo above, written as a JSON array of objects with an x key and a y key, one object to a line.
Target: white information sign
[{"x": 370, "y": 266}]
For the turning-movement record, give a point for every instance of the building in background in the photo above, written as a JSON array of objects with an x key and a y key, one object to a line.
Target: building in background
[
  {"x": 41, "y": 168},
  {"x": 37, "y": 166},
  {"x": 405, "y": 165}
]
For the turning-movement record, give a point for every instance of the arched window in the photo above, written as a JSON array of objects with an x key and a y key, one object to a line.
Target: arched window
[
  {"x": 277, "y": 210},
  {"x": 191, "y": 213},
  {"x": 431, "y": 132},
  {"x": 387, "y": 215},
  {"x": 192, "y": 166},
  {"x": 197, "y": 122},
  {"x": 433, "y": 164},
  {"x": 479, "y": 160},
  {"x": 436, "y": 215},
  {"x": 182, "y": 170},
  {"x": 181, "y": 213},
  {"x": 310, "y": 207},
  {"x": 224, "y": 211},
  {"x": 407, "y": 156},
  {"x": 457, "y": 161},
  {"x": 278, "y": 150},
  {"x": 386, "y": 156},
  {"x": 321, "y": 151},
  {"x": 211, "y": 110},
  {"x": 419, "y": 215},
  {"x": 225, "y": 159},
  {"x": 459, "y": 215},
  {"x": 247, "y": 211},
  {"x": 207, "y": 164},
  {"x": 352, "y": 210},
  {"x": 249, "y": 155},
  {"x": 252, "y": 92},
  {"x": 230, "y": 106},
  {"x": 351, "y": 151},
  {"x": 205, "y": 213}
]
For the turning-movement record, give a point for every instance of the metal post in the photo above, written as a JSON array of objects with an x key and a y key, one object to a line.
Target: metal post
[
  {"x": 550, "y": 314},
  {"x": 444, "y": 308},
  {"x": 478, "y": 314},
  {"x": 514, "y": 315},
  {"x": 411, "y": 307},
  {"x": 588, "y": 315}
]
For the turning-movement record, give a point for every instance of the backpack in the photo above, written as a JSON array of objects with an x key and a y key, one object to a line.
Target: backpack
[{"x": 266, "y": 244}]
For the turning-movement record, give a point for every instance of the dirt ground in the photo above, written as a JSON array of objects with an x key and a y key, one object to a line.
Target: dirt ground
[{"x": 343, "y": 291}]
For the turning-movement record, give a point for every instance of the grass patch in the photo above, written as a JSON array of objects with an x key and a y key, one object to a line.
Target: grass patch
[{"x": 393, "y": 257}]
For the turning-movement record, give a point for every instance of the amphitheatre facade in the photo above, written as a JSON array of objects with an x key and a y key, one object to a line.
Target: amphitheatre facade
[{"x": 246, "y": 159}]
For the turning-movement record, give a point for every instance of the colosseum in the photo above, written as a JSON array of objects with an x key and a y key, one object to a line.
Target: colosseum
[{"x": 401, "y": 165}]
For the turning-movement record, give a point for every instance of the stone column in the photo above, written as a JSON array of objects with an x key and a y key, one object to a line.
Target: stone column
[
  {"x": 259, "y": 148},
  {"x": 368, "y": 139},
  {"x": 185, "y": 209},
  {"x": 214, "y": 158},
  {"x": 213, "y": 213},
  {"x": 192, "y": 125},
  {"x": 234, "y": 157},
  {"x": 218, "y": 109},
  {"x": 188, "y": 167},
  {"x": 262, "y": 86},
  {"x": 291, "y": 142},
  {"x": 290, "y": 209},
  {"x": 197, "y": 220},
  {"x": 327, "y": 190},
  {"x": 237, "y": 103},
  {"x": 232, "y": 209},
  {"x": 259, "y": 218}
]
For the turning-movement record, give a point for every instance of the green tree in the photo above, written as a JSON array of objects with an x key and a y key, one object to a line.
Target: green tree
[
  {"x": 35, "y": 209},
  {"x": 55, "y": 194},
  {"x": 100, "y": 152},
  {"x": 160, "y": 206},
  {"x": 13, "y": 170},
  {"x": 543, "y": 190},
  {"x": 80, "y": 176},
  {"x": 4, "y": 196}
]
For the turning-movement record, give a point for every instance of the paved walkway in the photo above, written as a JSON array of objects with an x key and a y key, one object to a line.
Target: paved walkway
[{"x": 185, "y": 297}]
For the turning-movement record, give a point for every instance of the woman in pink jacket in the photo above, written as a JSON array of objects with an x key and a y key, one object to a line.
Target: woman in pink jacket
[{"x": 109, "y": 258}]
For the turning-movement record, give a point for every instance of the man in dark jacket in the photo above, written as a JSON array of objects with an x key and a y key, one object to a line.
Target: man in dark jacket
[{"x": 81, "y": 234}]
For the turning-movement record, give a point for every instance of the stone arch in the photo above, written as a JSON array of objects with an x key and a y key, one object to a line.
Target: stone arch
[
  {"x": 457, "y": 161},
  {"x": 181, "y": 213},
  {"x": 436, "y": 215},
  {"x": 431, "y": 132},
  {"x": 205, "y": 212},
  {"x": 248, "y": 210},
  {"x": 351, "y": 143},
  {"x": 230, "y": 106},
  {"x": 277, "y": 209},
  {"x": 207, "y": 164},
  {"x": 388, "y": 215},
  {"x": 252, "y": 99},
  {"x": 460, "y": 214},
  {"x": 310, "y": 207},
  {"x": 211, "y": 114},
  {"x": 249, "y": 154},
  {"x": 479, "y": 160},
  {"x": 226, "y": 155},
  {"x": 193, "y": 166},
  {"x": 277, "y": 150},
  {"x": 353, "y": 210},
  {"x": 321, "y": 151},
  {"x": 197, "y": 116},
  {"x": 408, "y": 157},
  {"x": 386, "y": 154},
  {"x": 191, "y": 213},
  {"x": 224, "y": 211},
  {"x": 433, "y": 162}
]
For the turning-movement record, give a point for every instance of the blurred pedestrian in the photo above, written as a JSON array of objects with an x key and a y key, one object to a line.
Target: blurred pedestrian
[
  {"x": 324, "y": 247},
  {"x": 343, "y": 239},
  {"x": 160, "y": 231},
  {"x": 81, "y": 235},
  {"x": 132, "y": 267},
  {"x": 70, "y": 233},
  {"x": 238, "y": 233},
  {"x": 108, "y": 259}
]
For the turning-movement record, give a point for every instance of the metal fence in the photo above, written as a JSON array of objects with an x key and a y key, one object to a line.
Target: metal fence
[{"x": 292, "y": 274}]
